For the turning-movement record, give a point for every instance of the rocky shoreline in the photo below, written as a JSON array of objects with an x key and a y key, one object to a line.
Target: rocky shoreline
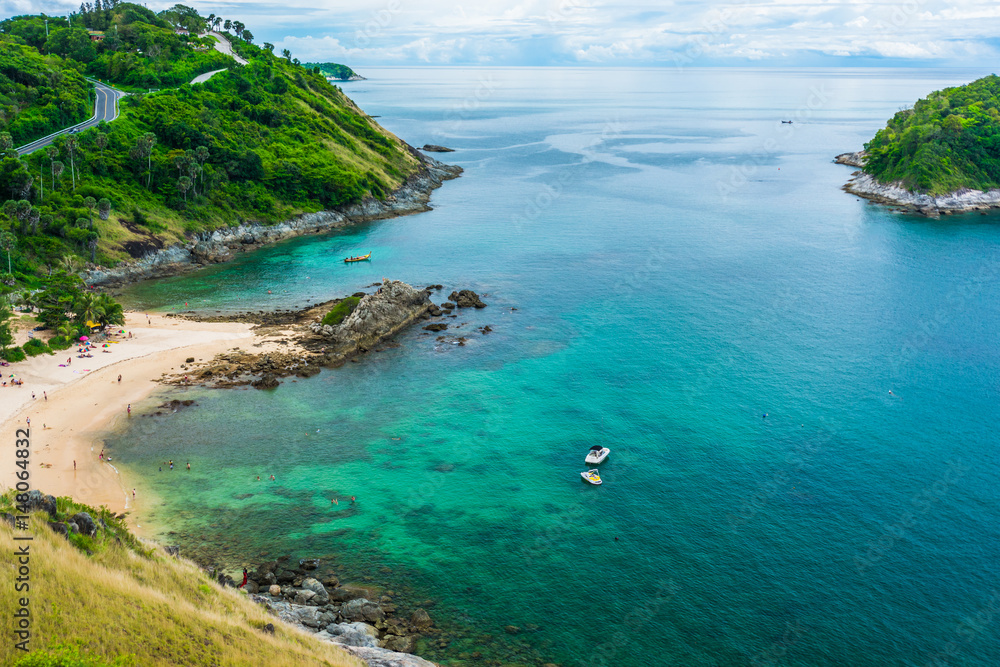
[
  {"x": 307, "y": 345},
  {"x": 894, "y": 194},
  {"x": 361, "y": 620},
  {"x": 222, "y": 245}
]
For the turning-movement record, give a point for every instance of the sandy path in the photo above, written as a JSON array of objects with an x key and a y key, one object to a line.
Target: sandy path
[{"x": 85, "y": 398}]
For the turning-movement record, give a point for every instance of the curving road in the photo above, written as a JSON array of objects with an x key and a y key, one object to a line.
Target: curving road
[{"x": 105, "y": 109}]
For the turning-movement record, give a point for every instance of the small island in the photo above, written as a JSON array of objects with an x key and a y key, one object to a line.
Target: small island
[
  {"x": 335, "y": 71},
  {"x": 941, "y": 156}
]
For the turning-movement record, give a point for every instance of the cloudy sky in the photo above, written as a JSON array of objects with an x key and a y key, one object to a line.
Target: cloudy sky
[{"x": 959, "y": 33}]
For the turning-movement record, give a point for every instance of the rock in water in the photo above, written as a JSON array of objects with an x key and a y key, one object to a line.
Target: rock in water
[
  {"x": 376, "y": 317},
  {"x": 421, "y": 619},
  {"x": 466, "y": 299},
  {"x": 434, "y": 148}
]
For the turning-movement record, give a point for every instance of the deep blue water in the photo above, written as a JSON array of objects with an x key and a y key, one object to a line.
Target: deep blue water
[{"x": 681, "y": 263}]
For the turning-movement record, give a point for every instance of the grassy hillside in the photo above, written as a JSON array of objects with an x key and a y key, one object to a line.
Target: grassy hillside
[
  {"x": 947, "y": 141},
  {"x": 39, "y": 94},
  {"x": 130, "y": 605},
  {"x": 259, "y": 143}
]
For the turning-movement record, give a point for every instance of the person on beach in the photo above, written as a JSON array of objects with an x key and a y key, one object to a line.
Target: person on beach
[
  {"x": 119, "y": 379},
  {"x": 28, "y": 420},
  {"x": 45, "y": 395},
  {"x": 171, "y": 465},
  {"x": 244, "y": 569},
  {"x": 129, "y": 408},
  {"x": 100, "y": 456},
  {"x": 74, "y": 465},
  {"x": 32, "y": 395},
  {"x": 189, "y": 465},
  {"x": 133, "y": 494}
]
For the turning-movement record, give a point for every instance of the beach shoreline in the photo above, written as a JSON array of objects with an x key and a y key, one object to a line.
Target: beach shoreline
[{"x": 74, "y": 404}]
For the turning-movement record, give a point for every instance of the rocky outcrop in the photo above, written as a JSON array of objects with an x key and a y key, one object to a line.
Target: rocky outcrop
[
  {"x": 466, "y": 299},
  {"x": 224, "y": 244},
  {"x": 376, "y": 317},
  {"x": 894, "y": 194},
  {"x": 380, "y": 657},
  {"x": 856, "y": 159},
  {"x": 434, "y": 148}
]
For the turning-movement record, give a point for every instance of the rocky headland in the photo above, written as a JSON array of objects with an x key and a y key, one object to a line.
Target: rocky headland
[
  {"x": 222, "y": 245},
  {"x": 895, "y": 194},
  {"x": 305, "y": 345}
]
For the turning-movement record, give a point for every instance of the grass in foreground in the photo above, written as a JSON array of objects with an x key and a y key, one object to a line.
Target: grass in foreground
[{"x": 131, "y": 605}]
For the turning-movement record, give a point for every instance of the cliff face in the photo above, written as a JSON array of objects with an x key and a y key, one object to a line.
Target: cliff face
[
  {"x": 224, "y": 244},
  {"x": 377, "y": 317}
]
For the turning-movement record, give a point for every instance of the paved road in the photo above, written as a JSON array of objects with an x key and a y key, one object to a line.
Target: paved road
[
  {"x": 105, "y": 109},
  {"x": 202, "y": 78},
  {"x": 222, "y": 45}
]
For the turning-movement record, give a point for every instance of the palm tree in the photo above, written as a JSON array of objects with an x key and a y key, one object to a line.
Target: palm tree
[
  {"x": 91, "y": 204},
  {"x": 71, "y": 144},
  {"x": 57, "y": 169},
  {"x": 111, "y": 310},
  {"x": 217, "y": 22},
  {"x": 53, "y": 153},
  {"x": 7, "y": 242},
  {"x": 184, "y": 184},
  {"x": 87, "y": 308},
  {"x": 247, "y": 35},
  {"x": 286, "y": 54},
  {"x": 68, "y": 263},
  {"x": 227, "y": 25}
]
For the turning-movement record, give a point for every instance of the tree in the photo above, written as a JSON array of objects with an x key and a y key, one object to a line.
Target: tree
[
  {"x": 227, "y": 25},
  {"x": 53, "y": 153},
  {"x": 72, "y": 43},
  {"x": 184, "y": 184},
  {"x": 92, "y": 244},
  {"x": 102, "y": 141},
  {"x": 8, "y": 242},
  {"x": 86, "y": 308},
  {"x": 6, "y": 142},
  {"x": 143, "y": 150},
  {"x": 269, "y": 46},
  {"x": 238, "y": 28},
  {"x": 247, "y": 35},
  {"x": 23, "y": 213},
  {"x": 104, "y": 208},
  {"x": 91, "y": 204},
  {"x": 286, "y": 54},
  {"x": 202, "y": 154},
  {"x": 6, "y": 336},
  {"x": 71, "y": 144},
  {"x": 217, "y": 22},
  {"x": 57, "y": 169},
  {"x": 110, "y": 310}
]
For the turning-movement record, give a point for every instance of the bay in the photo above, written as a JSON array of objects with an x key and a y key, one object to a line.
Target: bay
[{"x": 665, "y": 263}]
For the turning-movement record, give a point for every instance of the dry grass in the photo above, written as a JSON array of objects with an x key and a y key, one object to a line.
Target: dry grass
[{"x": 158, "y": 610}]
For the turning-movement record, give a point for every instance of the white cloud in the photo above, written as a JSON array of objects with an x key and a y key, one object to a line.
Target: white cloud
[{"x": 655, "y": 32}]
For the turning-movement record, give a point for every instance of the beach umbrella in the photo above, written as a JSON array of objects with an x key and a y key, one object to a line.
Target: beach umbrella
[{"x": 84, "y": 338}]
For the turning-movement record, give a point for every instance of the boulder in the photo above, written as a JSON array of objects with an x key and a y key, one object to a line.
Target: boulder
[
  {"x": 380, "y": 657},
  {"x": 268, "y": 381},
  {"x": 274, "y": 590},
  {"x": 421, "y": 619},
  {"x": 434, "y": 148},
  {"x": 349, "y": 592},
  {"x": 84, "y": 523},
  {"x": 399, "y": 644},
  {"x": 437, "y": 326},
  {"x": 174, "y": 551},
  {"x": 59, "y": 528},
  {"x": 304, "y": 597},
  {"x": 252, "y": 587},
  {"x": 362, "y": 610},
  {"x": 308, "y": 616},
  {"x": 313, "y": 585},
  {"x": 309, "y": 564},
  {"x": 38, "y": 501}
]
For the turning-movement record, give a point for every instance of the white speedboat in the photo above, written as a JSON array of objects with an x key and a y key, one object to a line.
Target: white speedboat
[
  {"x": 593, "y": 476},
  {"x": 596, "y": 455}
]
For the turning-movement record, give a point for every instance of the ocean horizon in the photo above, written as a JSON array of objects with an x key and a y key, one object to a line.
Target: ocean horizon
[{"x": 797, "y": 386}]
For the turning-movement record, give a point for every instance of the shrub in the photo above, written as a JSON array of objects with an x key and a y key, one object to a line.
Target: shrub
[
  {"x": 60, "y": 342},
  {"x": 341, "y": 310},
  {"x": 35, "y": 347},
  {"x": 13, "y": 354}
]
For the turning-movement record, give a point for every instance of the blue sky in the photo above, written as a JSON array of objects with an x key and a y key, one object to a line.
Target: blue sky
[{"x": 959, "y": 33}]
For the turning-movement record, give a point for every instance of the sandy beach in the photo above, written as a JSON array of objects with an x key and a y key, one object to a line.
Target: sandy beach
[{"x": 85, "y": 398}]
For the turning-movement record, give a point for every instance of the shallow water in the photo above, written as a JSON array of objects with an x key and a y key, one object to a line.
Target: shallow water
[{"x": 681, "y": 264}]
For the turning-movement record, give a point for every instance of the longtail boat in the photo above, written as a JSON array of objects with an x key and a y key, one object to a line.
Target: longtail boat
[{"x": 360, "y": 258}]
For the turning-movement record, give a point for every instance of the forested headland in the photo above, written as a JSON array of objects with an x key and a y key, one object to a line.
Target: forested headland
[{"x": 947, "y": 141}]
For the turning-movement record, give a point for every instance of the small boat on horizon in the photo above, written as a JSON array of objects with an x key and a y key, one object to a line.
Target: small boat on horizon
[
  {"x": 359, "y": 258},
  {"x": 593, "y": 476},
  {"x": 787, "y": 122},
  {"x": 597, "y": 454}
]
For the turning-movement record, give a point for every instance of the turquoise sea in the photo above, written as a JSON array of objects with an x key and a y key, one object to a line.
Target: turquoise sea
[{"x": 681, "y": 264}]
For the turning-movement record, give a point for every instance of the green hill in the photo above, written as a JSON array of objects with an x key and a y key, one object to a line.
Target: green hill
[
  {"x": 39, "y": 94},
  {"x": 947, "y": 141},
  {"x": 109, "y": 600},
  {"x": 262, "y": 142}
]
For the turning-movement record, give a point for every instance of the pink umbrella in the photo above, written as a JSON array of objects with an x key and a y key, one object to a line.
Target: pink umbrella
[{"x": 84, "y": 338}]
